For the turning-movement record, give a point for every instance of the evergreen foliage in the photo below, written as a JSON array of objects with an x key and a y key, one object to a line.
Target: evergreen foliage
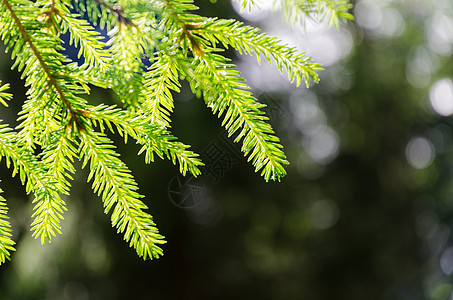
[
  {"x": 296, "y": 11},
  {"x": 58, "y": 126}
]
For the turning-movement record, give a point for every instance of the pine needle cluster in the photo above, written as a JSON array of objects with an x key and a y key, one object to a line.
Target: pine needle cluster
[
  {"x": 297, "y": 11},
  {"x": 59, "y": 126}
]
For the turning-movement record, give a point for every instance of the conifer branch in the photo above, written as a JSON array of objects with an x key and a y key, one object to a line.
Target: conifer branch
[
  {"x": 99, "y": 12},
  {"x": 153, "y": 138},
  {"x": 248, "y": 4},
  {"x": 82, "y": 33},
  {"x": 161, "y": 78},
  {"x": 37, "y": 123},
  {"x": 4, "y": 96},
  {"x": 159, "y": 141},
  {"x": 114, "y": 183},
  {"x": 179, "y": 44},
  {"x": 50, "y": 77},
  {"x": 250, "y": 40},
  {"x": 242, "y": 113},
  {"x": 116, "y": 11},
  {"x": 176, "y": 17},
  {"x": 299, "y": 10},
  {"x": 49, "y": 206},
  {"x": 6, "y": 243},
  {"x": 335, "y": 10},
  {"x": 126, "y": 78},
  {"x": 58, "y": 156}
]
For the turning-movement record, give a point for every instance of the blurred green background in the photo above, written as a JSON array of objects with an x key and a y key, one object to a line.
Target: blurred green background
[{"x": 365, "y": 211}]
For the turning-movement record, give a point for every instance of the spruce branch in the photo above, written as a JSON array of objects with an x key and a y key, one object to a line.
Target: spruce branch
[
  {"x": 154, "y": 139},
  {"x": 177, "y": 22},
  {"x": 250, "y": 41},
  {"x": 100, "y": 12},
  {"x": 82, "y": 33},
  {"x": 115, "y": 10},
  {"x": 126, "y": 78},
  {"x": 113, "y": 181},
  {"x": 51, "y": 78},
  {"x": 58, "y": 157},
  {"x": 39, "y": 56},
  {"x": 32, "y": 172},
  {"x": 59, "y": 124},
  {"x": 248, "y": 4},
  {"x": 6, "y": 243},
  {"x": 160, "y": 79},
  {"x": 4, "y": 96},
  {"x": 229, "y": 96},
  {"x": 297, "y": 11},
  {"x": 159, "y": 141},
  {"x": 335, "y": 11},
  {"x": 37, "y": 121}
]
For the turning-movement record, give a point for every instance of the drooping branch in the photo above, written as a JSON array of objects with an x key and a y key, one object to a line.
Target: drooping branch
[{"x": 51, "y": 78}]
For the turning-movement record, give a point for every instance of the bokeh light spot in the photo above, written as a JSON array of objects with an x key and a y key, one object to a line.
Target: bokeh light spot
[
  {"x": 368, "y": 14},
  {"x": 324, "y": 214},
  {"x": 421, "y": 64},
  {"x": 420, "y": 152},
  {"x": 439, "y": 34},
  {"x": 441, "y": 97},
  {"x": 392, "y": 24},
  {"x": 322, "y": 144},
  {"x": 446, "y": 261}
]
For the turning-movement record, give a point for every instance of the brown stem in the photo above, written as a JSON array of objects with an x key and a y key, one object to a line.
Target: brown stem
[
  {"x": 196, "y": 46},
  {"x": 117, "y": 11}
]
